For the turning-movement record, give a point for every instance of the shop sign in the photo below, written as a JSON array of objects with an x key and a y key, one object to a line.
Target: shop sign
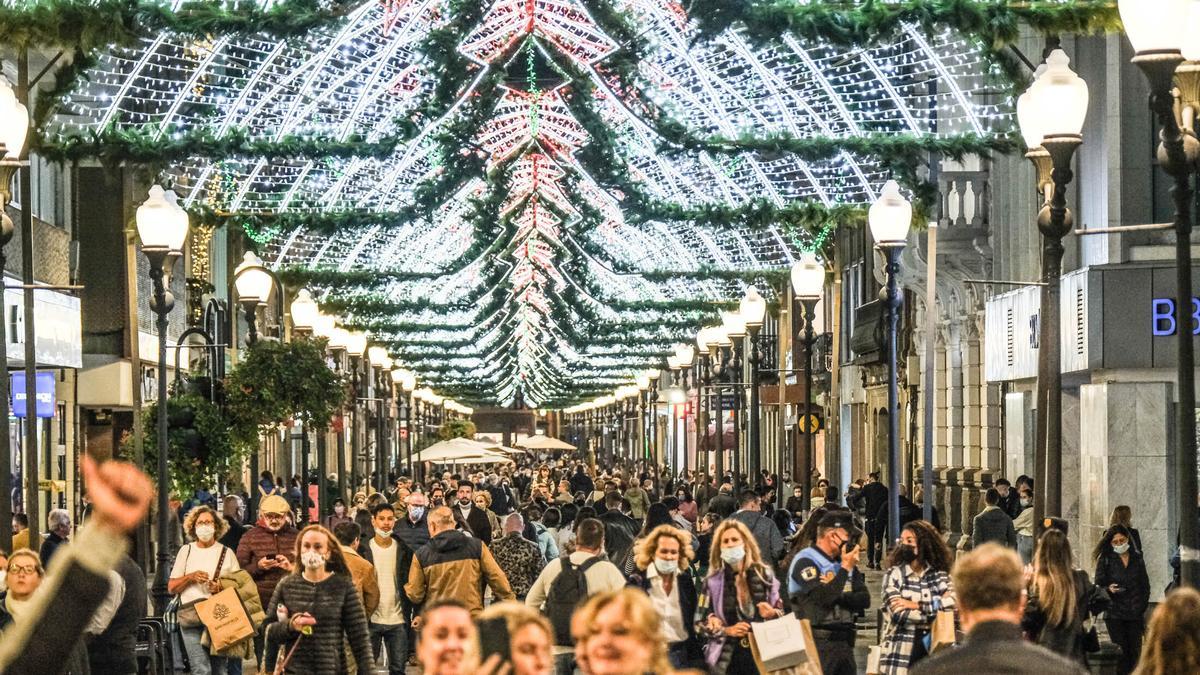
[{"x": 44, "y": 395}]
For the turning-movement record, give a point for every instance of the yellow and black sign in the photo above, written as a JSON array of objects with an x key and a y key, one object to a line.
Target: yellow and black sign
[{"x": 810, "y": 423}]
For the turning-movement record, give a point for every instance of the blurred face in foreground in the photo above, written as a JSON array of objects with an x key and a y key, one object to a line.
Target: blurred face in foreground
[
  {"x": 531, "y": 651},
  {"x": 613, "y": 648},
  {"x": 444, "y": 647}
]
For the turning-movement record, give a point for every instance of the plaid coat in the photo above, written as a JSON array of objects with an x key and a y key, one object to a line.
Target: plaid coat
[{"x": 903, "y": 628}]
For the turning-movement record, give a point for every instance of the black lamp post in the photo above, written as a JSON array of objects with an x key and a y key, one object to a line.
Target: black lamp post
[
  {"x": 1051, "y": 115},
  {"x": 1168, "y": 53},
  {"x": 890, "y": 218},
  {"x": 162, "y": 227},
  {"x": 753, "y": 309},
  {"x": 808, "y": 280},
  {"x": 14, "y": 127}
]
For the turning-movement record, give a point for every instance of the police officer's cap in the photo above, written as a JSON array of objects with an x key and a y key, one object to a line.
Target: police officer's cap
[{"x": 840, "y": 520}]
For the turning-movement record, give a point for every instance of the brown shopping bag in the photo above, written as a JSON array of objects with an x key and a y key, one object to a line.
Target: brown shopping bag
[
  {"x": 226, "y": 619},
  {"x": 811, "y": 664},
  {"x": 941, "y": 633}
]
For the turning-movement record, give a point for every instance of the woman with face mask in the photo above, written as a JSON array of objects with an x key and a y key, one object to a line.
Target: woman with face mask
[
  {"x": 1121, "y": 571},
  {"x": 340, "y": 515},
  {"x": 195, "y": 576},
  {"x": 738, "y": 591},
  {"x": 915, "y": 586},
  {"x": 662, "y": 560},
  {"x": 314, "y": 610}
]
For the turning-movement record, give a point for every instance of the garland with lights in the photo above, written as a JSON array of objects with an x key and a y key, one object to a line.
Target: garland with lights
[
  {"x": 849, "y": 24},
  {"x": 91, "y": 24}
]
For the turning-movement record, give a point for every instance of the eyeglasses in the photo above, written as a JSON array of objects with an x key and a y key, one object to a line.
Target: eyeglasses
[{"x": 22, "y": 569}]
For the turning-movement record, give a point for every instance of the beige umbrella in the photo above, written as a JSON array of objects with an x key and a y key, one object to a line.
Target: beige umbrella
[
  {"x": 460, "y": 450},
  {"x": 544, "y": 443}
]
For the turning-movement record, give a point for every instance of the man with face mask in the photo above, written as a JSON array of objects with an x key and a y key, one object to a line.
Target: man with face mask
[
  {"x": 825, "y": 587},
  {"x": 267, "y": 551},
  {"x": 391, "y": 558}
]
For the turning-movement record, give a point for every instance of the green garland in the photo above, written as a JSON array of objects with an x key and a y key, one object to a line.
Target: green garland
[
  {"x": 145, "y": 145},
  {"x": 853, "y": 24},
  {"x": 96, "y": 24}
]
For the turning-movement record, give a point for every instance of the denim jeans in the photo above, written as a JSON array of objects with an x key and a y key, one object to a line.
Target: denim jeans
[
  {"x": 395, "y": 639},
  {"x": 199, "y": 660}
]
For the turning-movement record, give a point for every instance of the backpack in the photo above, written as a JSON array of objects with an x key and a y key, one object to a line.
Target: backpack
[{"x": 566, "y": 591}]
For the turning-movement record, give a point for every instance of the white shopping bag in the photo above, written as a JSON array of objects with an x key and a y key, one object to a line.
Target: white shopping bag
[
  {"x": 873, "y": 660},
  {"x": 780, "y": 642}
]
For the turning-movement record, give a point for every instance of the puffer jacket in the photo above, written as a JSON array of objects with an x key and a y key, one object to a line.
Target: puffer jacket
[
  {"x": 454, "y": 565},
  {"x": 248, "y": 593},
  {"x": 257, "y": 543}
]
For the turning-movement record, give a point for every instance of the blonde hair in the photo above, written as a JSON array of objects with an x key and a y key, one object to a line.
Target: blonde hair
[
  {"x": 486, "y": 496},
  {"x": 1173, "y": 640},
  {"x": 1122, "y": 515},
  {"x": 516, "y": 616},
  {"x": 1054, "y": 578},
  {"x": 646, "y": 549},
  {"x": 220, "y": 525},
  {"x": 32, "y": 555},
  {"x": 753, "y": 558},
  {"x": 642, "y": 620}
]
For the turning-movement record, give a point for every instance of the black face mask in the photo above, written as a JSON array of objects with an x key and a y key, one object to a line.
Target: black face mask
[{"x": 906, "y": 554}]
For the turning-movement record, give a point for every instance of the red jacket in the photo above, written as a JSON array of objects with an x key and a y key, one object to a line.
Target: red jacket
[{"x": 259, "y": 542}]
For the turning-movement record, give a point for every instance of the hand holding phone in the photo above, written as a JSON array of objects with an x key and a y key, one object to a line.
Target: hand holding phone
[{"x": 494, "y": 639}]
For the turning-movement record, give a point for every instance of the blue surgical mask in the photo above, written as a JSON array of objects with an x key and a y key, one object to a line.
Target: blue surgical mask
[
  {"x": 1122, "y": 549},
  {"x": 733, "y": 555}
]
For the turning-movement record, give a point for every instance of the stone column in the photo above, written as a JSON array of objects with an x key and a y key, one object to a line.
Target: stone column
[
  {"x": 1125, "y": 455},
  {"x": 972, "y": 392}
]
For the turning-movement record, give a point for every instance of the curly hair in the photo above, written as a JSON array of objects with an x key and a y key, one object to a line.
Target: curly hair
[
  {"x": 220, "y": 525},
  {"x": 644, "y": 557},
  {"x": 1173, "y": 639},
  {"x": 931, "y": 550}
]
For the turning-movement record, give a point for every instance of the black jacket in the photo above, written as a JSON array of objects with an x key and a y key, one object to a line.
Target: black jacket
[
  {"x": 874, "y": 497},
  {"x": 1067, "y": 638},
  {"x": 993, "y": 525},
  {"x": 476, "y": 521},
  {"x": 996, "y": 647},
  {"x": 112, "y": 651},
  {"x": 619, "y": 532},
  {"x": 232, "y": 536},
  {"x": 581, "y": 482},
  {"x": 1131, "y": 602},
  {"x": 1011, "y": 504},
  {"x": 404, "y": 556},
  {"x": 50, "y": 547},
  {"x": 722, "y": 505},
  {"x": 908, "y": 513}
]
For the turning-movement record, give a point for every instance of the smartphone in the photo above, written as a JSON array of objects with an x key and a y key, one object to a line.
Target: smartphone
[{"x": 494, "y": 639}]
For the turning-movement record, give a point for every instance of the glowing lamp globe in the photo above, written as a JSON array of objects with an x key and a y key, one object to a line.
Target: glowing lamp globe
[
  {"x": 890, "y": 217},
  {"x": 305, "y": 312},
  {"x": 1154, "y": 26},
  {"x": 808, "y": 277},
  {"x": 251, "y": 280},
  {"x": 753, "y": 308}
]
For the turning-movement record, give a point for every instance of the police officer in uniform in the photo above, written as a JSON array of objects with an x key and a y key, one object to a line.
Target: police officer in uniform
[{"x": 825, "y": 587}]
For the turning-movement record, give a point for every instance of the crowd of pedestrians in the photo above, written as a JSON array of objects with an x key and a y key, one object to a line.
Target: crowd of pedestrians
[{"x": 556, "y": 568}]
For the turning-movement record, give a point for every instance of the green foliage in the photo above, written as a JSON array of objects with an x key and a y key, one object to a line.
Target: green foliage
[
  {"x": 203, "y": 442},
  {"x": 276, "y": 382},
  {"x": 456, "y": 429}
]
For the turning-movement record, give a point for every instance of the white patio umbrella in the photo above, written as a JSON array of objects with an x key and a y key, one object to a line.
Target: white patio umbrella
[{"x": 543, "y": 443}]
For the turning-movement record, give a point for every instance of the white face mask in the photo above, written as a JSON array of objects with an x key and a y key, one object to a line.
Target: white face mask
[
  {"x": 3, "y": 581},
  {"x": 312, "y": 560},
  {"x": 733, "y": 555},
  {"x": 1122, "y": 549},
  {"x": 666, "y": 566},
  {"x": 205, "y": 532}
]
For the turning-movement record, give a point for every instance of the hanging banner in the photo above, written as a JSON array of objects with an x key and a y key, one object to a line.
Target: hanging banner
[{"x": 44, "y": 395}]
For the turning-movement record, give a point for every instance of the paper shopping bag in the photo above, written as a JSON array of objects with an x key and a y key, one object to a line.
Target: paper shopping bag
[
  {"x": 226, "y": 619},
  {"x": 941, "y": 633},
  {"x": 873, "y": 658},
  {"x": 785, "y": 643}
]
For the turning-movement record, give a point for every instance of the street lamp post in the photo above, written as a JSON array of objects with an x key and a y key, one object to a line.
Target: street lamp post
[
  {"x": 405, "y": 382},
  {"x": 14, "y": 127},
  {"x": 653, "y": 374},
  {"x": 1168, "y": 52},
  {"x": 1051, "y": 115},
  {"x": 753, "y": 309},
  {"x": 808, "y": 280},
  {"x": 382, "y": 363},
  {"x": 890, "y": 218},
  {"x": 356, "y": 345},
  {"x": 305, "y": 315},
  {"x": 734, "y": 327},
  {"x": 162, "y": 227},
  {"x": 253, "y": 283}
]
